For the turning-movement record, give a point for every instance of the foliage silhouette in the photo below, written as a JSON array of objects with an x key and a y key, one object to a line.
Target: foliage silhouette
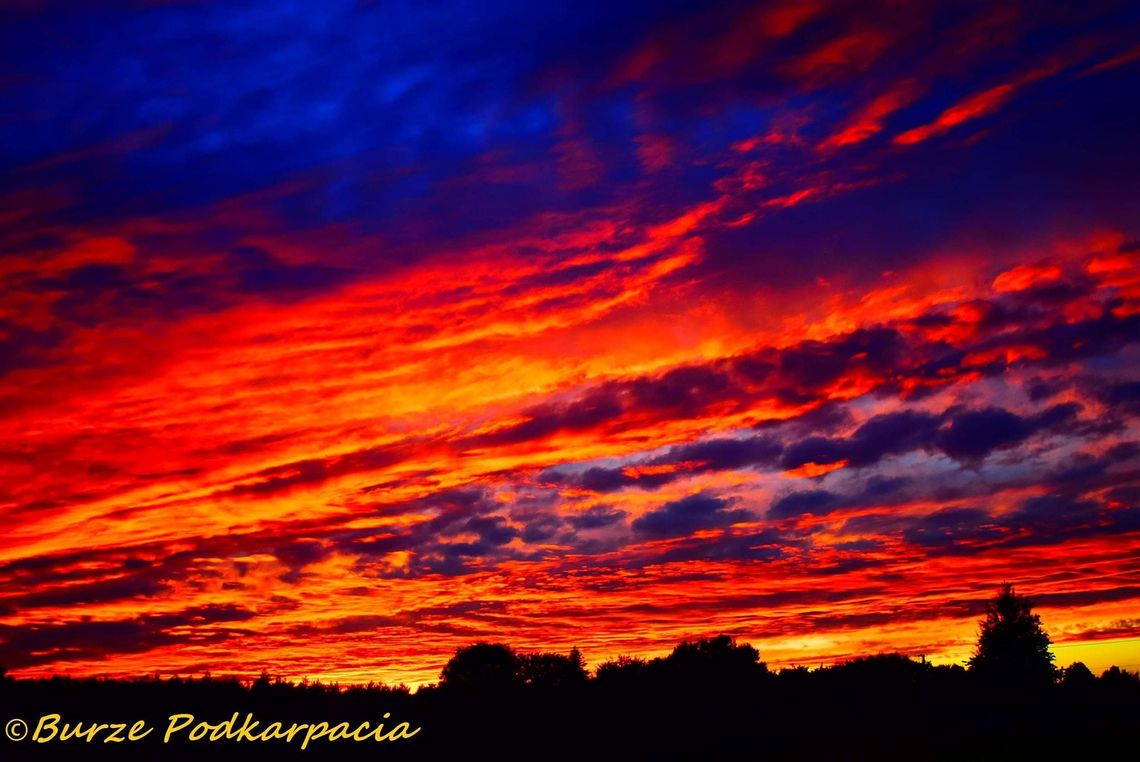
[
  {"x": 553, "y": 671},
  {"x": 483, "y": 666},
  {"x": 1013, "y": 647},
  {"x": 623, "y": 670},
  {"x": 715, "y": 657},
  {"x": 710, "y": 699},
  {"x": 1077, "y": 676}
]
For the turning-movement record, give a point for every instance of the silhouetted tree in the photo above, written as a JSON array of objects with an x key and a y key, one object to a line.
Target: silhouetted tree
[
  {"x": 883, "y": 706},
  {"x": 623, "y": 669},
  {"x": 1077, "y": 676},
  {"x": 1117, "y": 678},
  {"x": 715, "y": 652},
  {"x": 1013, "y": 647},
  {"x": 887, "y": 670},
  {"x": 551, "y": 670},
  {"x": 262, "y": 683},
  {"x": 714, "y": 659},
  {"x": 487, "y": 666}
]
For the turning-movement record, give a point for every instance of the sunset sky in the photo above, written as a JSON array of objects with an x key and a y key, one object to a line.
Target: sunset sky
[{"x": 335, "y": 336}]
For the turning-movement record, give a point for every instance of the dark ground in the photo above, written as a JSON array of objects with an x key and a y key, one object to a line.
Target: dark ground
[{"x": 710, "y": 706}]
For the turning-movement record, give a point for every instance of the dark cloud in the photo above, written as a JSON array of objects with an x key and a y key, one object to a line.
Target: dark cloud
[
  {"x": 697, "y": 457},
  {"x": 256, "y": 271},
  {"x": 1120, "y": 628},
  {"x": 1043, "y": 520},
  {"x": 493, "y": 530},
  {"x": 798, "y": 503},
  {"x": 881, "y": 435},
  {"x": 1064, "y": 343},
  {"x": 1052, "y": 519},
  {"x": 951, "y": 526},
  {"x": 825, "y": 418},
  {"x": 541, "y": 528},
  {"x": 973, "y": 435},
  {"x": 683, "y": 392},
  {"x": 435, "y": 619},
  {"x": 1039, "y": 389},
  {"x": 596, "y": 517},
  {"x": 876, "y": 490},
  {"x": 767, "y": 545},
  {"x": 1123, "y": 396},
  {"x": 859, "y": 546},
  {"x": 724, "y": 453},
  {"x": 891, "y": 434},
  {"x": 139, "y": 585},
  {"x": 1088, "y": 597},
  {"x": 599, "y": 479},
  {"x": 880, "y": 487},
  {"x": 963, "y": 435},
  {"x": 800, "y": 373},
  {"x": 316, "y": 470},
  {"x": 596, "y": 408},
  {"x": 814, "y": 364},
  {"x": 821, "y": 450},
  {"x": 30, "y": 645},
  {"x": 687, "y": 515},
  {"x": 1081, "y": 467},
  {"x": 22, "y": 347},
  {"x": 300, "y": 553},
  {"x": 459, "y": 510}
]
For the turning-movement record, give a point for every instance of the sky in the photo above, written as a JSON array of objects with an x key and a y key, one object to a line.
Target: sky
[{"x": 336, "y": 336}]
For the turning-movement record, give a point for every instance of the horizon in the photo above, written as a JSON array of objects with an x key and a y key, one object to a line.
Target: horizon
[
  {"x": 1089, "y": 653},
  {"x": 591, "y": 667},
  {"x": 332, "y": 339}
]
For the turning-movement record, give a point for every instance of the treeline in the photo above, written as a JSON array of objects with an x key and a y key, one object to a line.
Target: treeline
[{"x": 708, "y": 699}]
